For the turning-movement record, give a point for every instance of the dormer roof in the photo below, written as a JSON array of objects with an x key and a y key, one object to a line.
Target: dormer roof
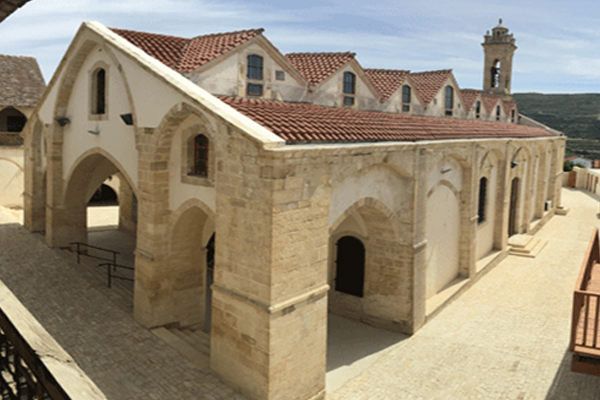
[
  {"x": 186, "y": 55},
  {"x": 469, "y": 96},
  {"x": 386, "y": 81},
  {"x": 317, "y": 67},
  {"x": 429, "y": 83}
]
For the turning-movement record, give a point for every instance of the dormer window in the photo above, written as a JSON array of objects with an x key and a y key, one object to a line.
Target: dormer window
[
  {"x": 497, "y": 113},
  {"x": 255, "y": 72},
  {"x": 477, "y": 109},
  {"x": 99, "y": 92},
  {"x": 512, "y": 116},
  {"x": 449, "y": 100},
  {"x": 349, "y": 88},
  {"x": 406, "y": 95}
]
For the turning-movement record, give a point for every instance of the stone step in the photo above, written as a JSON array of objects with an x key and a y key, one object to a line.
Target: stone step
[
  {"x": 187, "y": 351},
  {"x": 519, "y": 241},
  {"x": 197, "y": 339},
  {"x": 533, "y": 248}
]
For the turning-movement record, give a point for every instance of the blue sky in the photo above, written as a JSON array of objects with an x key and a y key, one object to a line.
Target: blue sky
[{"x": 558, "y": 41}]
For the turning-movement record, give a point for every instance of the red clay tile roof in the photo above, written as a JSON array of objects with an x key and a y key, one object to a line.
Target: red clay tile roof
[
  {"x": 302, "y": 123},
  {"x": 508, "y": 106},
  {"x": 316, "y": 67},
  {"x": 386, "y": 81},
  {"x": 21, "y": 81},
  {"x": 490, "y": 101},
  {"x": 429, "y": 83},
  {"x": 185, "y": 55},
  {"x": 469, "y": 96}
]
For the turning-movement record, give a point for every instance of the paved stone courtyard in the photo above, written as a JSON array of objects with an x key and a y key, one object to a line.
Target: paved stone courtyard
[{"x": 505, "y": 338}]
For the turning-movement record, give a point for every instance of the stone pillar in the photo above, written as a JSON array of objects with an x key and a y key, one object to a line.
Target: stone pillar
[
  {"x": 127, "y": 210},
  {"x": 419, "y": 261},
  {"x": 269, "y": 310},
  {"x": 34, "y": 199}
]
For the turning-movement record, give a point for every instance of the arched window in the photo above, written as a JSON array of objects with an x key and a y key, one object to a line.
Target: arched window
[
  {"x": 12, "y": 120},
  {"x": 512, "y": 116},
  {"x": 497, "y": 113},
  {"x": 350, "y": 266},
  {"x": 255, "y": 71},
  {"x": 482, "y": 200},
  {"x": 406, "y": 95},
  {"x": 449, "y": 100},
  {"x": 349, "y": 87},
  {"x": 478, "y": 109},
  {"x": 495, "y": 74},
  {"x": 200, "y": 164},
  {"x": 99, "y": 103}
]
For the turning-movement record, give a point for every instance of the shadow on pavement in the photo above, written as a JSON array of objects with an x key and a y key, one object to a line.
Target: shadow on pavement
[{"x": 569, "y": 385}]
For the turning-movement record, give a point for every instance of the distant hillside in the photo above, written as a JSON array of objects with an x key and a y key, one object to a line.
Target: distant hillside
[{"x": 576, "y": 115}]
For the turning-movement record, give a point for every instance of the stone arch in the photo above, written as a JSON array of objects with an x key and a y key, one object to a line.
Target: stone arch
[
  {"x": 35, "y": 177},
  {"x": 385, "y": 299},
  {"x": 87, "y": 174},
  {"x": 489, "y": 232},
  {"x": 521, "y": 166},
  {"x": 171, "y": 122},
  {"x": 16, "y": 124},
  {"x": 12, "y": 162},
  {"x": 190, "y": 229},
  {"x": 446, "y": 183}
]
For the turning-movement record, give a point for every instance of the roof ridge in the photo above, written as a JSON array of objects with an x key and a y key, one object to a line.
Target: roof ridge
[
  {"x": 147, "y": 33},
  {"x": 439, "y": 71},
  {"x": 257, "y": 30},
  {"x": 323, "y": 53},
  {"x": 386, "y": 70}
]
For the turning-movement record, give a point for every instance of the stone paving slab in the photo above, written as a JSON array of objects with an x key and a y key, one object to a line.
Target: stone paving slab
[
  {"x": 507, "y": 337},
  {"x": 125, "y": 360}
]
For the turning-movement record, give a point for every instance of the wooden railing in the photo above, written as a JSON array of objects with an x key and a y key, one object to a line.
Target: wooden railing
[{"x": 586, "y": 303}]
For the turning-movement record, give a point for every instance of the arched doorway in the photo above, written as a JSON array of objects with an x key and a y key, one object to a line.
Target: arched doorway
[
  {"x": 350, "y": 266},
  {"x": 210, "y": 278},
  {"x": 514, "y": 201}
]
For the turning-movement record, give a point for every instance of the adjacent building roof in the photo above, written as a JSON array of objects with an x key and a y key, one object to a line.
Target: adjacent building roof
[
  {"x": 7, "y": 7},
  {"x": 10, "y": 139},
  {"x": 316, "y": 67},
  {"x": 429, "y": 83},
  {"x": 185, "y": 55},
  {"x": 386, "y": 81},
  {"x": 309, "y": 123},
  {"x": 21, "y": 81},
  {"x": 469, "y": 96}
]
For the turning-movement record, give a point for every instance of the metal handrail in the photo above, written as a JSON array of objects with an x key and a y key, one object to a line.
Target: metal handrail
[
  {"x": 79, "y": 253},
  {"x": 111, "y": 275}
]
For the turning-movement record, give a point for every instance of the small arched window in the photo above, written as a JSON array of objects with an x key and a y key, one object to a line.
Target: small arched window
[
  {"x": 255, "y": 72},
  {"x": 99, "y": 103},
  {"x": 406, "y": 97},
  {"x": 497, "y": 113},
  {"x": 200, "y": 164},
  {"x": 482, "y": 200},
  {"x": 349, "y": 88},
  {"x": 478, "y": 109},
  {"x": 449, "y": 100},
  {"x": 495, "y": 74},
  {"x": 350, "y": 266},
  {"x": 512, "y": 116}
]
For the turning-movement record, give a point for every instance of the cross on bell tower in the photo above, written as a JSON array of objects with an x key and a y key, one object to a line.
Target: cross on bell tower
[{"x": 498, "y": 49}]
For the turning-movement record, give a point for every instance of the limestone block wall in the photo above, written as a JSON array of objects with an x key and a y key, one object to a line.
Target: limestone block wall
[{"x": 11, "y": 175}]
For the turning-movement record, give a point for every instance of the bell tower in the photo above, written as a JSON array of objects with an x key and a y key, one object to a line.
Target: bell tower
[{"x": 498, "y": 49}]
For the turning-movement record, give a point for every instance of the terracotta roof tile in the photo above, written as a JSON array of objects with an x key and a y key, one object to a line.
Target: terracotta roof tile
[
  {"x": 302, "y": 122},
  {"x": 469, "y": 96},
  {"x": 386, "y": 81},
  {"x": 21, "y": 81},
  {"x": 7, "y": 7},
  {"x": 429, "y": 83},
  {"x": 508, "y": 106},
  {"x": 316, "y": 67},
  {"x": 185, "y": 55},
  {"x": 490, "y": 101}
]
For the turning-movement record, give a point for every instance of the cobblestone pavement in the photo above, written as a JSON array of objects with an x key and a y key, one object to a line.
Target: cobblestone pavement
[
  {"x": 125, "y": 360},
  {"x": 505, "y": 338}
]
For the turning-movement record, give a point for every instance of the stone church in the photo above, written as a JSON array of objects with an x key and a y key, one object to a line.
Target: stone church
[{"x": 266, "y": 190}]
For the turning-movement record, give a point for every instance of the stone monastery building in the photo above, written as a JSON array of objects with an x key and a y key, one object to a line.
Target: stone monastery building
[{"x": 268, "y": 190}]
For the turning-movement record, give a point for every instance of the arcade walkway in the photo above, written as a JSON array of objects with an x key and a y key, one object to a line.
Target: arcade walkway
[{"x": 505, "y": 338}]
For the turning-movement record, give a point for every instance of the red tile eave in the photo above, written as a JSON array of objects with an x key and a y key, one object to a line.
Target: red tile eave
[{"x": 306, "y": 123}]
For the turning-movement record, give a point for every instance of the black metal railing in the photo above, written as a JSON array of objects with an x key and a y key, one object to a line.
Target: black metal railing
[
  {"x": 80, "y": 253},
  {"x": 111, "y": 272},
  {"x": 110, "y": 264},
  {"x": 23, "y": 376}
]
